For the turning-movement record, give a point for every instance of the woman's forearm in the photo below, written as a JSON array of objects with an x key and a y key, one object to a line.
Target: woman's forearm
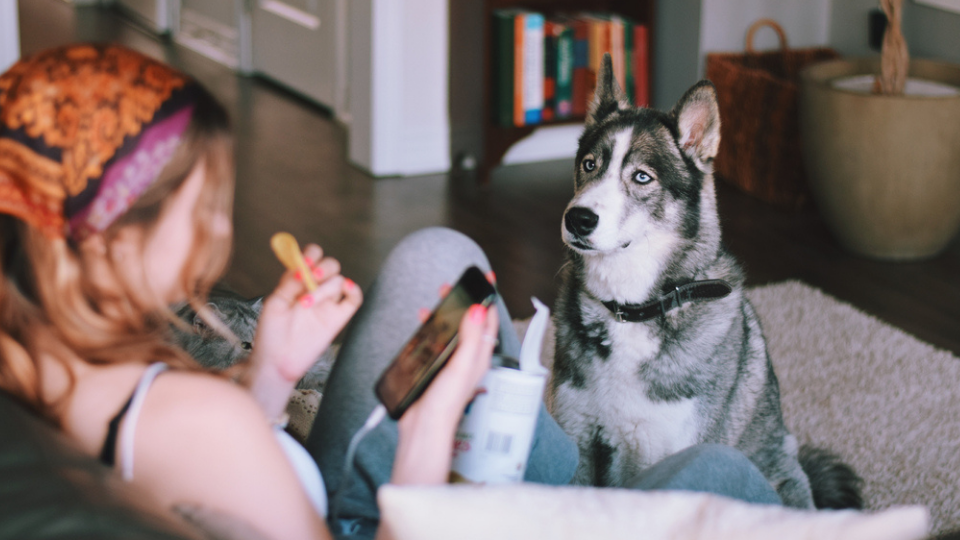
[{"x": 424, "y": 448}]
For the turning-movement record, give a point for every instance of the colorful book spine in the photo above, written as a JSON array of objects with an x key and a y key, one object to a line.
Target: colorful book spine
[
  {"x": 565, "y": 63},
  {"x": 615, "y": 27},
  {"x": 596, "y": 47},
  {"x": 532, "y": 68},
  {"x": 551, "y": 35},
  {"x": 546, "y": 70},
  {"x": 600, "y": 44},
  {"x": 630, "y": 87},
  {"x": 503, "y": 29},
  {"x": 581, "y": 67},
  {"x": 518, "y": 85},
  {"x": 641, "y": 76}
]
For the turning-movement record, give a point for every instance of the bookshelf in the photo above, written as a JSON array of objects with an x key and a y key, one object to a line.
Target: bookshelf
[{"x": 474, "y": 131}]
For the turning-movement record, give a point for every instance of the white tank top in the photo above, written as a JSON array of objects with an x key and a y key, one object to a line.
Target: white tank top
[{"x": 306, "y": 468}]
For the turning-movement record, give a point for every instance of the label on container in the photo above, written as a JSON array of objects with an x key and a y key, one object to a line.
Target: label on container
[{"x": 495, "y": 435}]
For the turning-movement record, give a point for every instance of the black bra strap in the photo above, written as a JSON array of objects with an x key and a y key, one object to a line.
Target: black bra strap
[{"x": 108, "y": 455}]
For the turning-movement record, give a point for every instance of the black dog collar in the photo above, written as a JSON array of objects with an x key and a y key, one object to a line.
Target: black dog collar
[{"x": 695, "y": 291}]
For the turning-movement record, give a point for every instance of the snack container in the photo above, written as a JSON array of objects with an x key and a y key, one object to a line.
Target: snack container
[
  {"x": 495, "y": 435},
  {"x": 496, "y": 432}
]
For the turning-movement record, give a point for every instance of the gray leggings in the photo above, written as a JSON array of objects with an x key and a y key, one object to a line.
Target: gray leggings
[{"x": 409, "y": 280}]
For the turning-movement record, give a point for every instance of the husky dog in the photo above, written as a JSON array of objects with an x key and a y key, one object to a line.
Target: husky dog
[{"x": 657, "y": 348}]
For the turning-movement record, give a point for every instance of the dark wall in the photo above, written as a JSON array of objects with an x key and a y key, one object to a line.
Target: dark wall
[
  {"x": 677, "y": 50},
  {"x": 931, "y": 32}
]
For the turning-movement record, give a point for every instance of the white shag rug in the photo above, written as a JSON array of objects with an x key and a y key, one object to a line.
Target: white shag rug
[{"x": 886, "y": 402}]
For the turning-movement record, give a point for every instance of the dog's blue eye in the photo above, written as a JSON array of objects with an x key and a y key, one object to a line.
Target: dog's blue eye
[
  {"x": 589, "y": 165},
  {"x": 641, "y": 177}
]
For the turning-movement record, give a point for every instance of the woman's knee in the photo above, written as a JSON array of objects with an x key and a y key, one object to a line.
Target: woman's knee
[
  {"x": 440, "y": 246},
  {"x": 711, "y": 468}
]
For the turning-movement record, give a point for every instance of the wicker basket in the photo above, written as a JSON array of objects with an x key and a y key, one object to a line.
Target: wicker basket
[{"x": 760, "y": 136}]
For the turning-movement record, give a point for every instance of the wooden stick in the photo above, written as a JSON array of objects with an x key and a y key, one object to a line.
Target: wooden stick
[{"x": 894, "y": 58}]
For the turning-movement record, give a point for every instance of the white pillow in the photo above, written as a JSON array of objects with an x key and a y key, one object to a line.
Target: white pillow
[{"x": 531, "y": 511}]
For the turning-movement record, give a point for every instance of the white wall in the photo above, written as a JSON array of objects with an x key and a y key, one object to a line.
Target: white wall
[
  {"x": 400, "y": 123},
  {"x": 9, "y": 34},
  {"x": 724, "y": 24}
]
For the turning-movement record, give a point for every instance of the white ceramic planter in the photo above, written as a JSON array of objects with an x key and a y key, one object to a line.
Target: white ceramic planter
[{"x": 884, "y": 170}]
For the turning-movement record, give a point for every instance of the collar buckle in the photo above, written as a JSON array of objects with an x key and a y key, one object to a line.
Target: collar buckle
[{"x": 671, "y": 300}]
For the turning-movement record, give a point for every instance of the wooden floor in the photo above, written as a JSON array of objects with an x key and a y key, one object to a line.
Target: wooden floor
[{"x": 293, "y": 175}]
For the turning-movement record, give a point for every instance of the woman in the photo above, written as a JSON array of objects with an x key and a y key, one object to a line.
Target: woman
[
  {"x": 116, "y": 187},
  {"x": 115, "y": 190}
]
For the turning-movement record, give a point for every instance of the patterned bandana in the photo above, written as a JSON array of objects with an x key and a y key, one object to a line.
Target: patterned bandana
[{"x": 84, "y": 131}]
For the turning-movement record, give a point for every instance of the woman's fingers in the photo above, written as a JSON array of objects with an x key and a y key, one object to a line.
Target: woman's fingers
[
  {"x": 312, "y": 253},
  {"x": 352, "y": 295},
  {"x": 444, "y": 290},
  {"x": 327, "y": 290},
  {"x": 289, "y": 289},
  {"x": 326, "y": 268},
  {"x": 478, "y": 337}
]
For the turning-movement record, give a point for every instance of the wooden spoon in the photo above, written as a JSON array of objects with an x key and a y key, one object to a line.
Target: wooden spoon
[{"x": 288, "y": 251}]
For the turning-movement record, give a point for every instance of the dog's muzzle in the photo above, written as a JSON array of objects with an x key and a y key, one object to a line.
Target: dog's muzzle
[{"x": 581, "y": 221}]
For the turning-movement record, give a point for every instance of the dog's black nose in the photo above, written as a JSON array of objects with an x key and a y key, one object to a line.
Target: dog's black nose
[{"x": 581, "y": 221}]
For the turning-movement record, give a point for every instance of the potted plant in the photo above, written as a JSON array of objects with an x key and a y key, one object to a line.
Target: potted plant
[{"x": 883, "y": 153}]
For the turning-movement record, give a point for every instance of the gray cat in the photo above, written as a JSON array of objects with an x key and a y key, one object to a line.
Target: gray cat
[
  {"x": 206, "y": 345},
  {"x": 214, "y": 351}
]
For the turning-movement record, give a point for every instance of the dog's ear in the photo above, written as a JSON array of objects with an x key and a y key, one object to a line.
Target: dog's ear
[
  {"x": 608, "y": 96},
  {"x": 698, "y": 119}
]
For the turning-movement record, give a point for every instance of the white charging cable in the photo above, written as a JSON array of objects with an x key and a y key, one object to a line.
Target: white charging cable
[{"x": 372, "y": 421}]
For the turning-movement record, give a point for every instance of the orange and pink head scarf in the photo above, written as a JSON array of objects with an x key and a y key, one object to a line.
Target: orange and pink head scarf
[{"x": 84, "y": 131}]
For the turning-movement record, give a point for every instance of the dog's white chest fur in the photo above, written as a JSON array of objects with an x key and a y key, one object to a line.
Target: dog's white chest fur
[{"x": 614, "y": 398}]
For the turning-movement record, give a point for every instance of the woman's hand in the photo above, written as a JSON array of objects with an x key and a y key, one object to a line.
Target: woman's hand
[
  {"x": 296, "y": 326},
  {"x": 427, "y": 428}
]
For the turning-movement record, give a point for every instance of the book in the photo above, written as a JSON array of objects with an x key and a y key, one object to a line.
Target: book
[
  {"x": 564, "y": 83},
  {"x": 519, "y": 30},
  {"x": 532, "y": 69},
  {"x": 628, "y": 56},
  {"x": 546, "y": 69},
  {"x": 580, "y": 91},
  {"x": 503, "y": 39},
  {"x": 615, "y": 27},
  {"x": 599, "y": 44},
  {"x": 551, "y": 36},
  {"x": 641, "y": 62}
]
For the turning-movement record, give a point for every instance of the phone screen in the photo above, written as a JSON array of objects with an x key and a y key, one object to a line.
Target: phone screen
[{"x": 428, "y": 350}]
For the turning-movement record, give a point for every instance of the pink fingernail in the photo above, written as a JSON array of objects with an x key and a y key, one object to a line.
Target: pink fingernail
[
  {"x": 477, "y": 313},
  {"x": 298, "y": 276},
  {"x": 309, "y": 261},
  {"x": 306, "y": 301},
  {"x": 318, "y": 272},
  {"x": 348, "y": 284}
]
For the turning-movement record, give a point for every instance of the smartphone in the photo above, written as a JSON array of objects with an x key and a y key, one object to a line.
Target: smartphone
[{"x": 419, "y": 361}]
